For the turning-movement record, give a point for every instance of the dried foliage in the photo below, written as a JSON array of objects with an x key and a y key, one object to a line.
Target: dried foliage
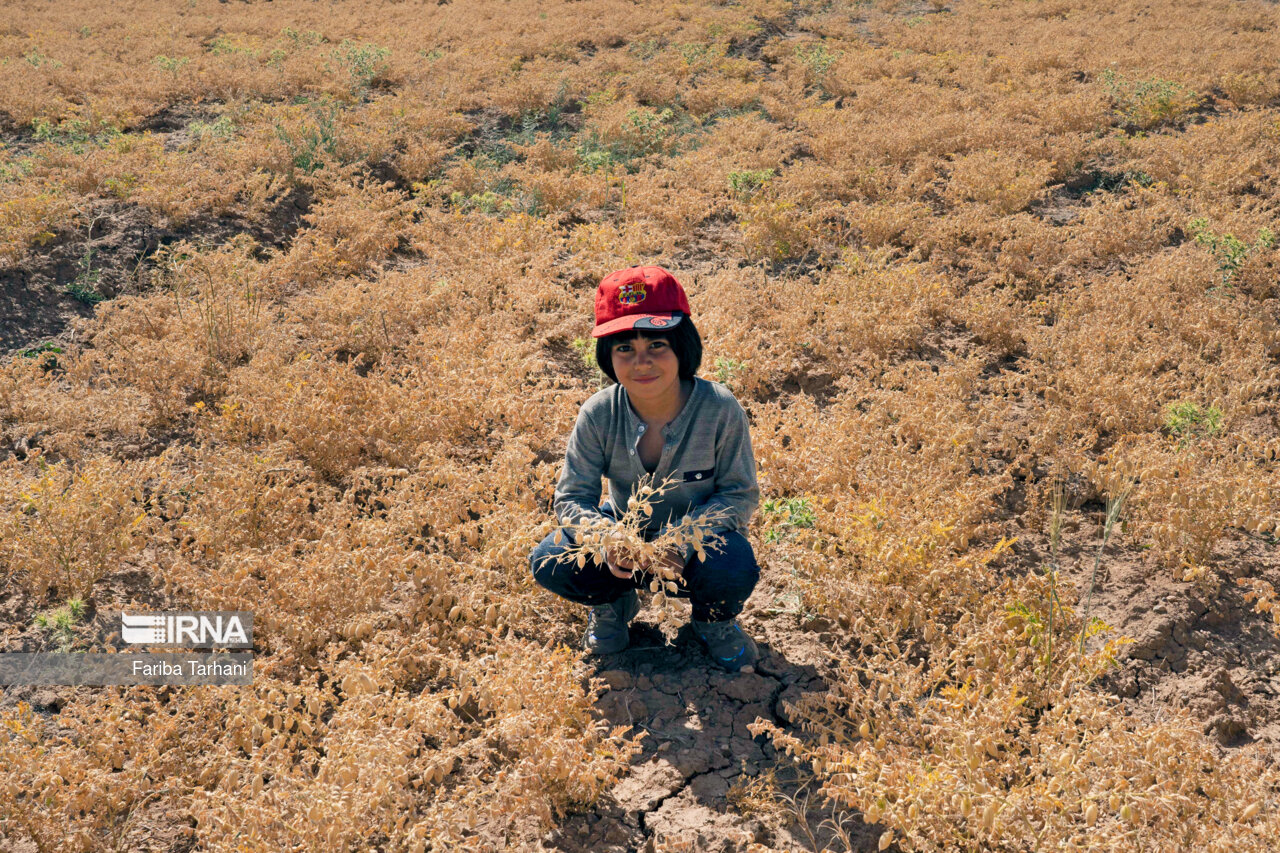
[
  {"x": 64, "y": 528},
  {"x": 980, "y": 732},
  {"x": 352, "y": 228}
]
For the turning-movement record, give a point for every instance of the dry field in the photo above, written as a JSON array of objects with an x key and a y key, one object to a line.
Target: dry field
[{"x": 292, "y": 300}]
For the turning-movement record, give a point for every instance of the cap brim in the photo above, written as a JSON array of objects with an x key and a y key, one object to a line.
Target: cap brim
[{"x": 643, "y": 322}]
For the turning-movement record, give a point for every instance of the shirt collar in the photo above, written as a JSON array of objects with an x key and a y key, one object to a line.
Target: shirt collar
[{"x": 677, "y": 423}]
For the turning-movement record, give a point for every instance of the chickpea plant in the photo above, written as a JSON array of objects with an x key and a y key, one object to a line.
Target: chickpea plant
[{"x": 625, "y": 539}]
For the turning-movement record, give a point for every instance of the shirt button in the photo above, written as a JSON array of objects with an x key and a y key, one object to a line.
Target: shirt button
[{"x": 633, "y": 453}]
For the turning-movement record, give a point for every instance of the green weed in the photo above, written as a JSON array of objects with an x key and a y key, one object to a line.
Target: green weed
[
  {"x": 485, "y": 202},
  {"x": 1111, "y": 182},
  {"x": 40, "y": 349},
  {"x": 746, "y": 184},
  {"x": 529, "y": 123},
  {"x": 592, "y": 158},
  {"x": 36, "y": 58},
  {"x": 500, "y": 195},
  {"x": 220, "y": 128},
  {"x": 817, "y": 60},
  {"x": 224, "y": 45},
  {"x": 172, "y": 64},
  {"x": 1188, "y": 422},
  {"x": 586, "y": 349},
  {"x": 550, "y": 119},
  {"x": 78, "y": 134},
  {"x": 1146, "y": 103},
  {"x": 727, "y": 370},
  {"x": 303, "y": 38},
  {"x": 120, "y": 185},
  {"x": 1043, "y": 642},
  {"x": 61, "y": 622},
  {"x": 645, "y": 48},
  {"x": 594, "y": 155},
  {"x": 314, "y": 143},
  {"x": 644, "y": 131},
  {"x": 85, "y": 285},
  {"x": 364, "y": 63},
  {"x": 15, "y": 170},
  {"x": 1230, "y": 251},
  {"x": 785, "y": 516},
  {"x": 649, "y": 129},
  {"x": 696, "y": 53}
]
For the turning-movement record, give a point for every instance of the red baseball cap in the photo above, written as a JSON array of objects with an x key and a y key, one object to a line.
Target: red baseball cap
[{"x": 646, "y": 298}]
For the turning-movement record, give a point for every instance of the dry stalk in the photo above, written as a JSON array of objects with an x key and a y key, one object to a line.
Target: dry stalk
[
  {"x": 1058, "y": 506},
  {"x": 1114, "y": 504},
  {"x": 625, "y": 541}
]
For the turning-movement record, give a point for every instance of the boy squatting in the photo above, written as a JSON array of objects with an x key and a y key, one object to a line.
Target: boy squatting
[{"x": 658, "y": 418}]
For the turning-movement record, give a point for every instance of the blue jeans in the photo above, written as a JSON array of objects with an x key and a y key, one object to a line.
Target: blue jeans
[{"x": 718, "y": 587}]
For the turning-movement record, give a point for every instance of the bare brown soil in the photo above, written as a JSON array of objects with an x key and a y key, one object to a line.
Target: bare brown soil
[
  {"x": 37, "y": 304},
  {"x": 41, "y": 297}
]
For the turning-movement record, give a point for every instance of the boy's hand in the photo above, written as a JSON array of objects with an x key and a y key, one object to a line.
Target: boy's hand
[
  {"x": 619, "y": 565},
  {"x": 672, "y": 560}
]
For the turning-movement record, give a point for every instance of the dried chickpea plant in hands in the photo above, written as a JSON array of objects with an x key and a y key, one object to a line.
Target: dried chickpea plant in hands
[{"x": 624, "y": 541}]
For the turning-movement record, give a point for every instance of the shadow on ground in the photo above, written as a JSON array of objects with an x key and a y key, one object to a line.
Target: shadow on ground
[{"x": 696, "y": 748}]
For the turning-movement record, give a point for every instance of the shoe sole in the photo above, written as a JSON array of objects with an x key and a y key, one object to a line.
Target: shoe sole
[{"x": 602, "y": 652}]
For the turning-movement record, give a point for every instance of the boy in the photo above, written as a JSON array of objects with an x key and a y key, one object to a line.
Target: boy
[{"x": 660, "y": 419}]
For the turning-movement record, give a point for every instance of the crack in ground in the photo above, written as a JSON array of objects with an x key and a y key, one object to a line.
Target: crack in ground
[
  {"x": 691, "y": 780},
  {"x": 644, "y": 816},
  {"x": 697, "y": 743}
]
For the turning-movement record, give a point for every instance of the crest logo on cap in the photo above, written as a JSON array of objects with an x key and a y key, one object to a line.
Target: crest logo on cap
[{"x": 631, "y": 293}]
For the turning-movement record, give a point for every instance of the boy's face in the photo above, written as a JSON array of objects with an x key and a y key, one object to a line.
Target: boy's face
[{"x": 648, "y": 369}]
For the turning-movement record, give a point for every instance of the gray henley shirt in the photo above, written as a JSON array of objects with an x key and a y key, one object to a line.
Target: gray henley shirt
[{"x": 707, "y": 448}]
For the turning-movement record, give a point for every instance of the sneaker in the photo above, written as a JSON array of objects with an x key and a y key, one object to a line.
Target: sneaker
[
  {"x": 728, "y": 645},
  {"x": 607, "y": 632}
]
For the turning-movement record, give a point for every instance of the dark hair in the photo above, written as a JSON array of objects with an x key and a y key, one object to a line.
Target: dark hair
[{"x": 683, "y": 337}]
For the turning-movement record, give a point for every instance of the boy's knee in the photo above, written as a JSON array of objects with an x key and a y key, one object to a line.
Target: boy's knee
[
  {"x": 538, "y": 558},
  {"x": 741, "y": 560},
  {"x": 744, "y": 577},
  {"x": 734, "y": 571},
  {"x": 542, "y": 559}
]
